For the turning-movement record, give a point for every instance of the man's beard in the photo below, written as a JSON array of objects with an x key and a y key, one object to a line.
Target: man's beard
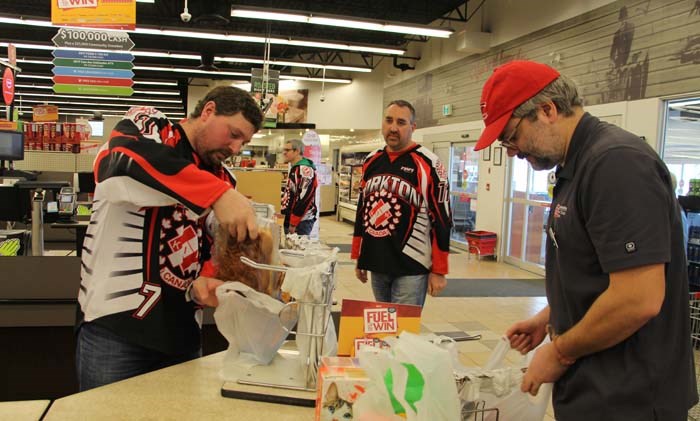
[
  {"x": 215, "y": 158},
  {"x": 539, "y": 163}
]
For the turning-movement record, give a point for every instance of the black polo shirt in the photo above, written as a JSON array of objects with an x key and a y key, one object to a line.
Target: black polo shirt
[{"x": 614, "y": 209}]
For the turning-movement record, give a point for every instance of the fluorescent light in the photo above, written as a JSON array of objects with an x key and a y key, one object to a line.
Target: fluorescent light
[
  {"x": 104, "y": 110},
  {"x": 145, "y": 1},
  {"x": 170, "y": 93},
  {"x": 292, "y": 64},
  {"x": 189, "y": 70},
  {"x": 208, "y": 72},
  {"x": 253, "y": 14},
  {"x": 342, "y": 22},
  {"x": 345, "y": 23},
  {"x": 222, "y": 59},
  {"x": 44, "y": 95},
  {"x": 223, "y": 37},
  {"x": 136, "y": 82},
  {"x": 164, "y": 107}
]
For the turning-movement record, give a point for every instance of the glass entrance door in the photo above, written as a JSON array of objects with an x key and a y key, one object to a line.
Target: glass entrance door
[
  {"x": 464, "y": 178},
  {"x": 528, "y": 210}
]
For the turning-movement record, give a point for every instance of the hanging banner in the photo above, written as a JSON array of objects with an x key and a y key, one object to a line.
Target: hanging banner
[{"x": 109, "y": 14}]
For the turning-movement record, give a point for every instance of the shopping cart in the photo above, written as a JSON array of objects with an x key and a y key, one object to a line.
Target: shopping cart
[{"x": 694, "y": 413}]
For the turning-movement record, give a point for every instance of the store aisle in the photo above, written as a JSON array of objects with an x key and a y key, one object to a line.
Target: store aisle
[{"x": 487, "y": 316}]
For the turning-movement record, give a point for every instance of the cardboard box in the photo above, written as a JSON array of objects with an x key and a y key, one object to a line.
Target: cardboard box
[{"x": 340, "y": 382}]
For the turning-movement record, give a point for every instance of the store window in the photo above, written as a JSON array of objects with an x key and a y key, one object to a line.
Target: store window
[
  {"x": 681, "y": 140},
  {"x": 464, "y": 180},
  {"x": 681, "y": 153},
  {"x": 528, "y": 210}
]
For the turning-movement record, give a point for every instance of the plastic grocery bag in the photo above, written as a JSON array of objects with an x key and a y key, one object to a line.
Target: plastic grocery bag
[
  {"x": 309, "y": 279},
  {"x": 250, "y": 322},
  {"x": 413, "y": 380},
  {"x": 499, "y": 387}
]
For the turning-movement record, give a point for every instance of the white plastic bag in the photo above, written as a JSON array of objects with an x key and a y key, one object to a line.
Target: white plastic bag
[
  {"x": 414, "y": 379},
  {"x": 307, "y": 280},
  {"x": 499, "y": 387},
  {"x": 250, "y": 322}
]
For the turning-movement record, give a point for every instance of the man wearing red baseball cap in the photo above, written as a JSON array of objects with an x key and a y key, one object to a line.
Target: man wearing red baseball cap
[{"x": 616, "y": 275}]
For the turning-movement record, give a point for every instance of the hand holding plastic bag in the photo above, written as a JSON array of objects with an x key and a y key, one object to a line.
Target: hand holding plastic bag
[
  {"x": 250, "y": 322},
  {"x": 499, "y": 387}
]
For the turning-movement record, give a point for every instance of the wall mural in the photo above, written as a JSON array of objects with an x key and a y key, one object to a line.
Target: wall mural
[
  {"x": 627, "y": 50},
  {"x": 690, "y": 52},
  {"x": 424, "y": 101},
  {"x": 627, "y": 76}
]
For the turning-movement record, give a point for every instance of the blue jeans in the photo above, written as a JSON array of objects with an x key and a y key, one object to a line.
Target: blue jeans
[
  {"x": 304, "y": 227},
  {"x": 103, "y": 357},
  {"x": 406, "y": 289}
]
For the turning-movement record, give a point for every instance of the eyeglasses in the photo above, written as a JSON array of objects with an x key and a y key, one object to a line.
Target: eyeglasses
[
  {"x": 287, "y": 150},
  {"x": 508, "y": 143}
]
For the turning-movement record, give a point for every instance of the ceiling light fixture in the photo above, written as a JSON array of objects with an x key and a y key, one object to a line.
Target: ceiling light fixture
[
  {"x": 100, "y": 110},
  {"x": 164, "y": 107},
  {"x": 129, "y": 99},
  {"x": 197, "y": 57},
  {"x": 206, "y": 72},
  {"x": 343, "y": 22},
  {"x": 169, "y": 93},
  {"x": 136, "y": 82},
  {"x": 225, "y": 37}
]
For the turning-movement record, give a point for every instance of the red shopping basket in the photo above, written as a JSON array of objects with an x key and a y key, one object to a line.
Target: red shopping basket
[{"x": 482, "y": 243}]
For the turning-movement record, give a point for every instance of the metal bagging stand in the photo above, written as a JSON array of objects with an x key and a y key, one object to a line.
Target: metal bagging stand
[{"x": 291, "y": 376}]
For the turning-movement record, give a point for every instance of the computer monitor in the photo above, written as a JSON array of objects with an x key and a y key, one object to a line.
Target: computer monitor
[
  {"x": 11, "y": 145},
  {"x": 97, "y": 127}
]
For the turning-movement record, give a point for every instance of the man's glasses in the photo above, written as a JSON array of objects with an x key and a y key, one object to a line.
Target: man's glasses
[
  {"x": 508, "y": 142},
  {"x": 287, "y": 150}
]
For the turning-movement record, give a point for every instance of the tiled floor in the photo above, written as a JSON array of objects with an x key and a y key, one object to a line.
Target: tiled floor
[{"x": 487, "y": 316}]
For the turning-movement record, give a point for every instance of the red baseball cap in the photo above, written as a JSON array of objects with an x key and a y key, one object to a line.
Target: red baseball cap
[{"x": 509, "y": 86}]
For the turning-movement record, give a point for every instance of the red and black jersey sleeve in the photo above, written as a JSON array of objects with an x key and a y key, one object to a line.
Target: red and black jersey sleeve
[
  {"x": 438, "y": 200},
  {"x": 142, "y": 147}
]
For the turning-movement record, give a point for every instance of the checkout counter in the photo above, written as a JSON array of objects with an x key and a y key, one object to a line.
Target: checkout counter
[{"x": 187, "y": 391}]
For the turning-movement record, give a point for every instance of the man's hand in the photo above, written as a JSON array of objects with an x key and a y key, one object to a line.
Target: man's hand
[
  {"x": 361, "y": 274},
  {"x": 525, "y": 335},
  {"x": 203, "y": 291},
  {"x": 235, "y": 213},
  {"x": 292, "y": 229},
  {"x": 436, "y": 283},
  {"x": 544, "y": 368}
]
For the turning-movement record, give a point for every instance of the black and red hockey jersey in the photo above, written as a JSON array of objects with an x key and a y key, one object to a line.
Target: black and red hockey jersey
[
  {"x": 403, "y": 220},
  {"x": 299, "y": 199},
  {"x": 147, "y": 241}
]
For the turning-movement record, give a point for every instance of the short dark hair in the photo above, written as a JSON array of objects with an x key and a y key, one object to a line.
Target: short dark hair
[
  {"x": 229, "y": 101},
  {"x": 404, "y": 104}
]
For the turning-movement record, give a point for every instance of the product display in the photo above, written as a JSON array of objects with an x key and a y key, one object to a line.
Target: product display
[{"x": 56, "y": 137}]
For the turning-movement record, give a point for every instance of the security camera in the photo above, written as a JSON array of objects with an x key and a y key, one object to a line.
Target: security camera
[
  {"x": 322, "y": 98},
  {"x": 185, "y": 16}
]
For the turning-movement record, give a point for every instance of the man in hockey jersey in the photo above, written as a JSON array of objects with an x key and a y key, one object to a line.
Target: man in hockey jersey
[
  {"x": 141, "y": 295},
  {"x": 299, "y": 201},
  {"x": 403, "y": 220}
]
